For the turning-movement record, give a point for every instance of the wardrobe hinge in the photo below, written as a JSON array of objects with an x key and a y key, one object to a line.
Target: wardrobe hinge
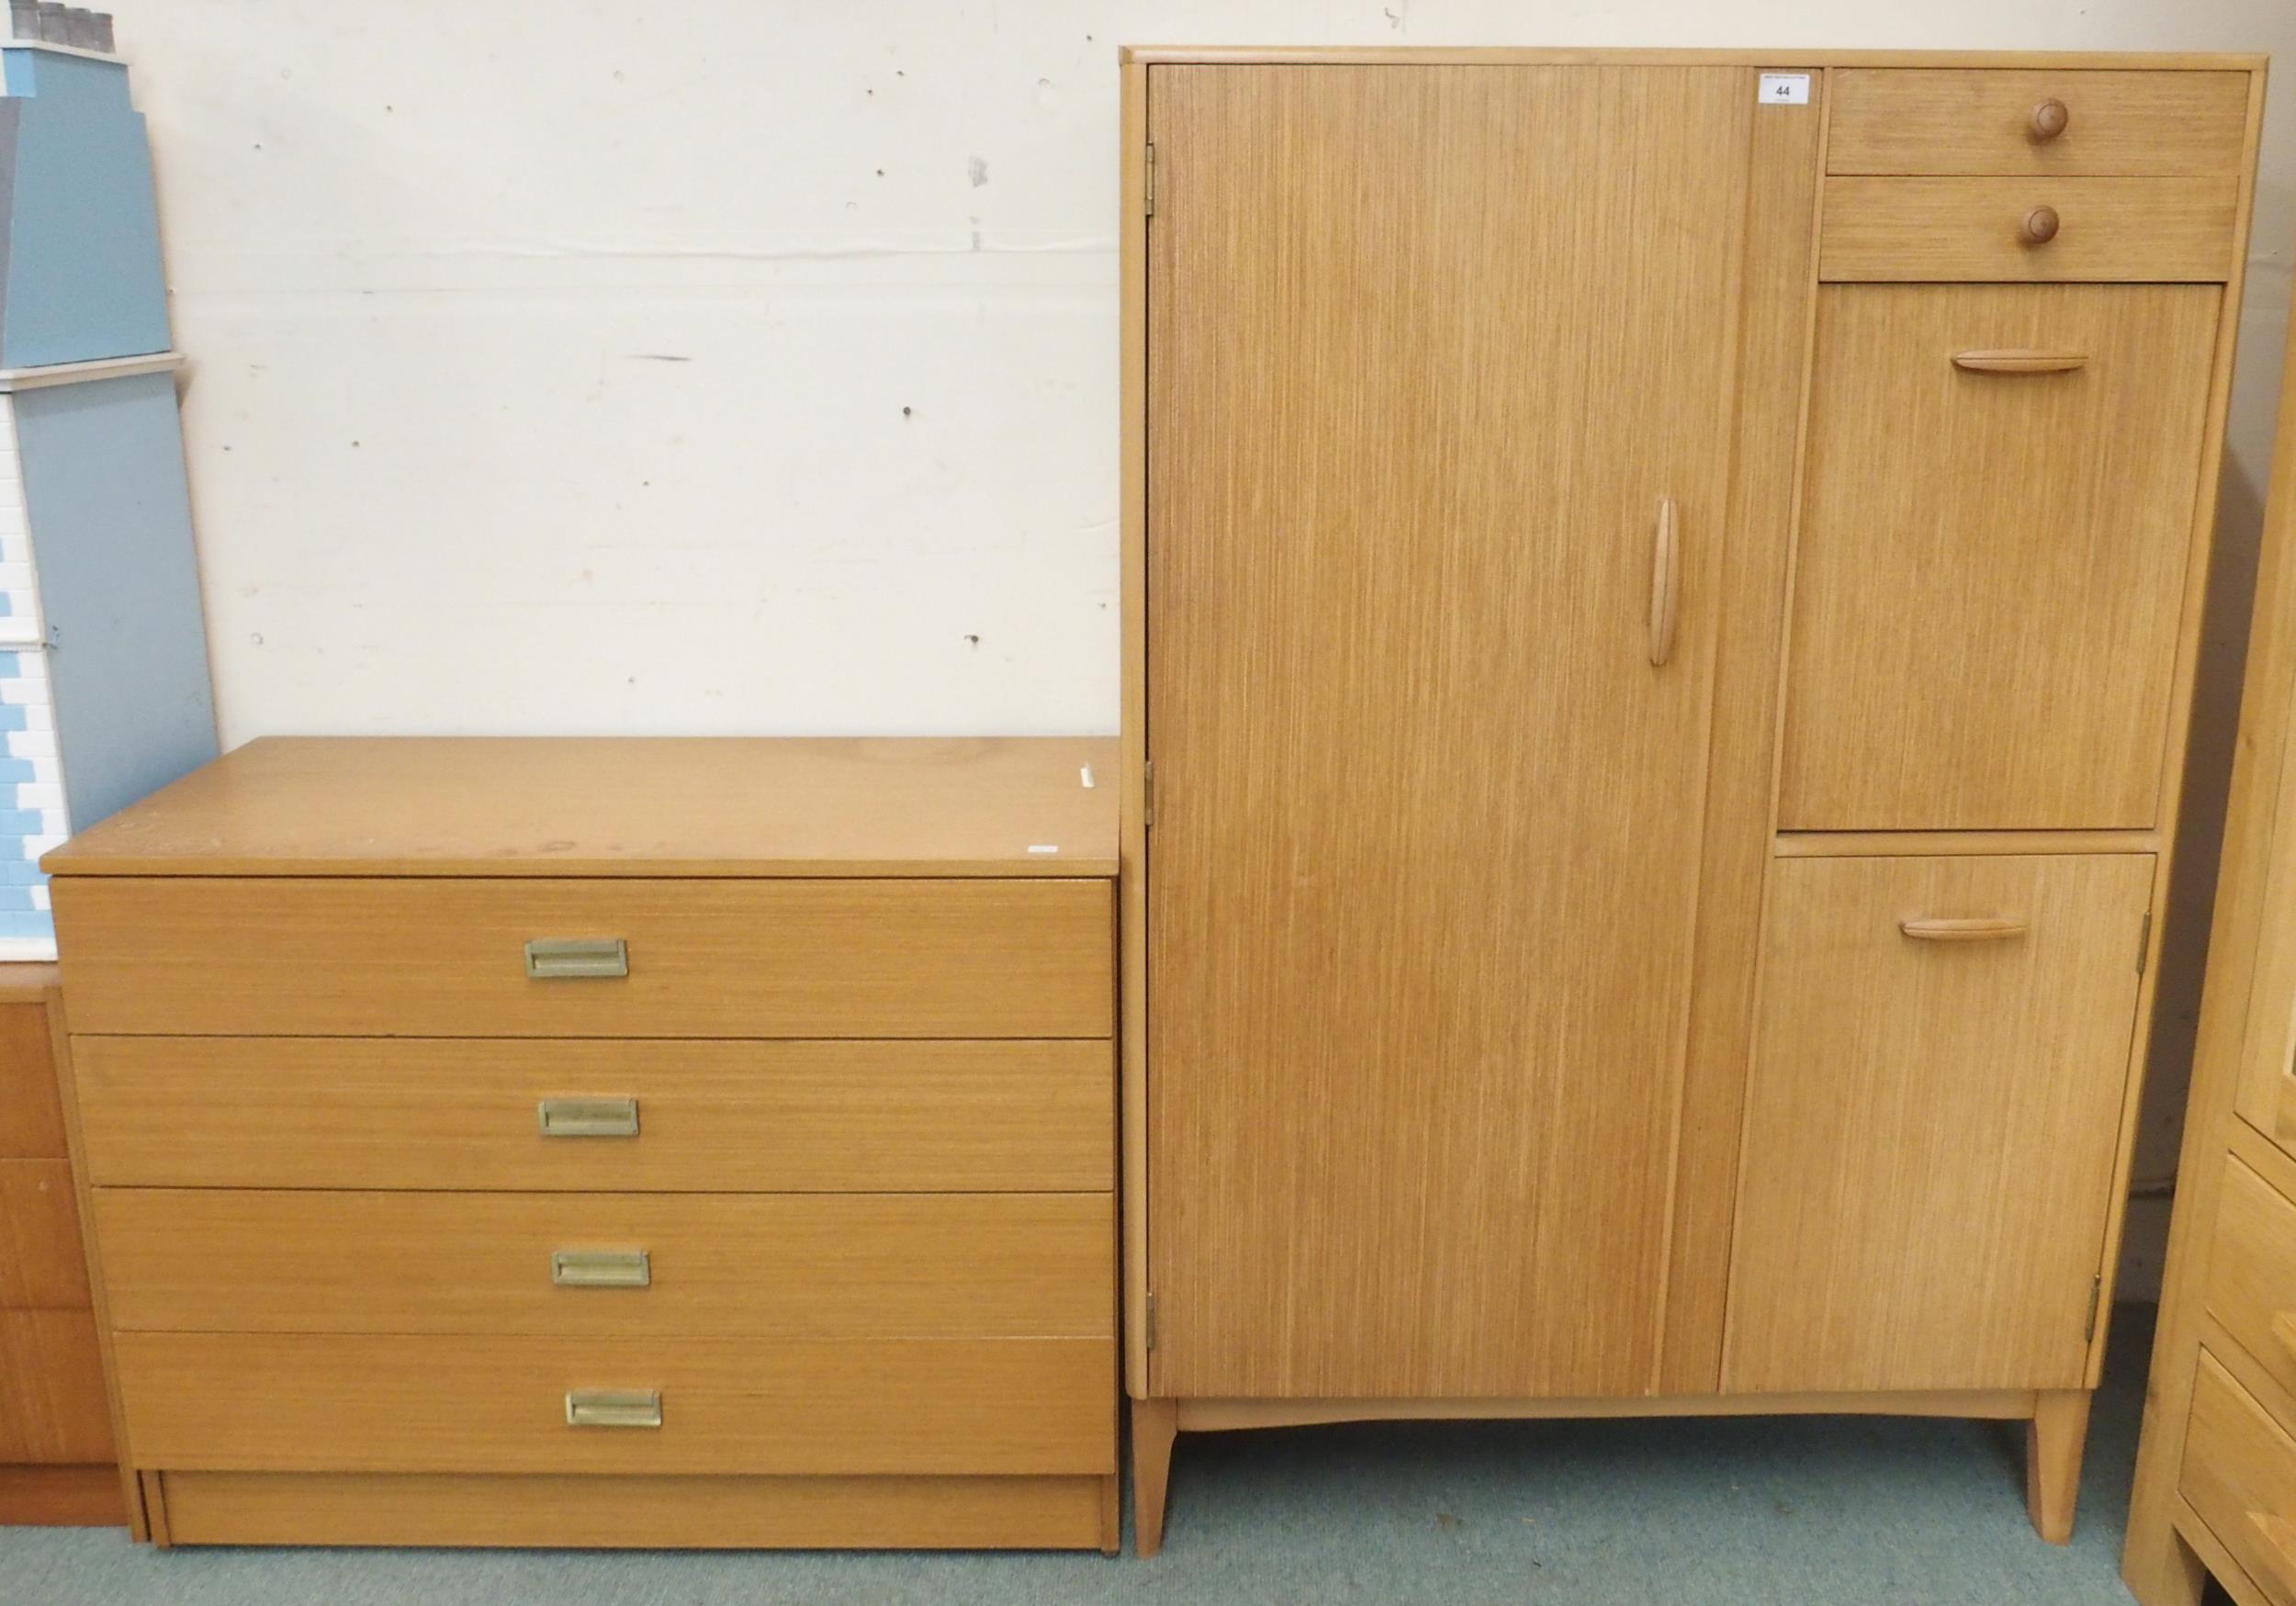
[
  {"x": 2095, "y": 1292},
  {"x": 1148, "y": 184},
  {"x": 1148, "y": 793},
  {"x": 1148, "y": 1319},
  {"x": 2144, "y": 941}
]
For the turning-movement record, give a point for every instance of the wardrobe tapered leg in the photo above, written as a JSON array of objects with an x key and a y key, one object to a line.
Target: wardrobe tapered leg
[
  {"x": 1156, "y": 1422},
  {"x": 2053, "y": 1440}
]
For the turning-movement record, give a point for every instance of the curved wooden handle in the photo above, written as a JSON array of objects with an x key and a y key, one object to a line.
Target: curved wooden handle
[
  {"x": 2040, "y": 226},
  {"x": 2021, "y": 360},
  {"x": 1987, "y": 928},
  {"x": 2050, "y": 119},
  {"x": 1666, "y": 582}
]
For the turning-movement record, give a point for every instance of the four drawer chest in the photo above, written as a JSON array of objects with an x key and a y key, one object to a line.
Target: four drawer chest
[{"x": 606, "y": 1142}]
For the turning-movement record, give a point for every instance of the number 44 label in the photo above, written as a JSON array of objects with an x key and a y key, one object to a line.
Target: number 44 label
[{"x": 1786, "y": 89}]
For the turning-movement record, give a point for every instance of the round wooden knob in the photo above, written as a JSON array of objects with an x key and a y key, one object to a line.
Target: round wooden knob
[
  {"x": 2050, "y": 119},
  {"x": 2040, "y": 226}
]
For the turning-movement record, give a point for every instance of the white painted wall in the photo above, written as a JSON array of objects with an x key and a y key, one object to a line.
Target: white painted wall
[
  {"x": 432, "y": 258},
  {"x": 743, "y": 366}
]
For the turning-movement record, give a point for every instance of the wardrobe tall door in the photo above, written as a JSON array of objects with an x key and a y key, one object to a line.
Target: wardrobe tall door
[{"x": 1435, "y": 352}]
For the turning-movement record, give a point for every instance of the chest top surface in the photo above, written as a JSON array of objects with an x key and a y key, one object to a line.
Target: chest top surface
[{"x": 624, "y": 806}]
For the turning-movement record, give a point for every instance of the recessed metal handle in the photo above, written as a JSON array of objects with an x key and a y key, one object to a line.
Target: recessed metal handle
[
  {"x": 1989, "y": 928},
  {"x": 554, "y": 958},
  {"x": 602, "y": 1268},
  {"x": 614, "y": 1408},
  {"x": 587, "y": 1117},
  {"x": 1666, "y": 581},
  {"x": 2019, "y": 360}
]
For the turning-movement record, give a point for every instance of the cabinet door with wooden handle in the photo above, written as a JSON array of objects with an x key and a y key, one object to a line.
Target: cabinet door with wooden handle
[{"x": 1666, "y": 581}]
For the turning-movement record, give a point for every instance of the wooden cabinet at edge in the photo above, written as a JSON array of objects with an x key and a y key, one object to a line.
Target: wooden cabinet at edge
[{"x": 1659, "y": 626}]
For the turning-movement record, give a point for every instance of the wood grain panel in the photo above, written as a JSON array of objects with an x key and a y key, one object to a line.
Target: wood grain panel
[
  {"x": 564, "y": 806},
  {"x": 723, "y": 1116},
  {"x": 2252, "y": 1275},
  {"x": 61, "y": 1497},
  {"x": 42, "y": 1267},
  {"x": 1420, "y": 375},
  {"x": 1931, "y": 1127},
  {"x": 240, "y": 1402},
  {"x": 644, "y": 1513},
  {"x": 1776, "y": 309},
  {"x": 1991, "y": 574},
  {"x": 52, "y": 1405},
  {"x": 864, "y": 1265},
  {"x": 443, "y": 957},
  {"x": 2149, "y": 124},
  {"x": 31, "y": 1121},
  {"x": 2239, "y": 1472},
  {"x": 2107, "y": 229}
]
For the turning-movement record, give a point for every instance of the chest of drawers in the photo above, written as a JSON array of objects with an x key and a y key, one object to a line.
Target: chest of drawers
[{"x": 566, "y": 1142}]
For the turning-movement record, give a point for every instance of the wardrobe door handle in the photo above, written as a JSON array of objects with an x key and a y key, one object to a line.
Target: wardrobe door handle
[
  {"x": 1985, "y": 929},
  {"x": 2019, "y": 360},
  {"x": 1666, "y": 581}
]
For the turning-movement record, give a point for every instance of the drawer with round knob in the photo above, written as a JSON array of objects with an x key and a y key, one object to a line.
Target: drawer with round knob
[
  {"x": 2037, "y": 121},
  {"x": 2062, "y": 230}
]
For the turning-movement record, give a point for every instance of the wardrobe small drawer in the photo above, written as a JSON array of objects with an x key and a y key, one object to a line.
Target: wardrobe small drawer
[
  {"x": 2042, "y": 229},
  {"x": 2239, "y": 1472},
  {"x": 478, "y": 957},
  {"x": 325, "y": 1403},
  {"x": 677, "y": 1116},
  {"x": 2036, "y": 120},
  {"x": 2252, "y": 1275},
  {"x": 665, "y": 1266}
]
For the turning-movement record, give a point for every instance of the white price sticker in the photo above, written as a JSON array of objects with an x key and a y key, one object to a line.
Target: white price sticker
[{"x": 1786, "y": 89}]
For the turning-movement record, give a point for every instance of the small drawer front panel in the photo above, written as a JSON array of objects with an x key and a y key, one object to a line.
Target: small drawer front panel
[
  {"x": 31, "y": 1110},
  {"x": 2239, "y": 1472},
  {"x": 2252, "y": 1275},
  {"x": 300, "y": 1403},
  {"x": 710, "y": 1117},
  {"x": 2036, "y": 120},
  {"x": 2150, "y": 229},
  {"x": 1932, "y": 1119},
  {"x": 42, "y": 1267},
  {"x": 52, "y": 1406},
  {"x": 859, "y": 1266},
  {"x": 450, "y": 958},
  {"x": 1992, "y": 561}
]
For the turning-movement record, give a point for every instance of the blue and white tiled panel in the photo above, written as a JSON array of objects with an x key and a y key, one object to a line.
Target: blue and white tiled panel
[
  {"x": 31, "y": 804},
  {"x": 20, "y": 622}
]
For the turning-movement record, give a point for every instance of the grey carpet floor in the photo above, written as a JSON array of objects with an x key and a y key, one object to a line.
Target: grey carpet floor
[{"x": 1837, "y": 1510}]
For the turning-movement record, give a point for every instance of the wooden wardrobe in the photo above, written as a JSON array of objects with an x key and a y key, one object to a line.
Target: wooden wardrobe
[{"x": 1661, "y": 597}]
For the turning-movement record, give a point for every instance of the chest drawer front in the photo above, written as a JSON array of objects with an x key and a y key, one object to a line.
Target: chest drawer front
[
  {"x": 1992, "y": 563},
  {"x": 327, "y": 1403},
  {"x": 2239, "y": 1472},
  {"x": 711, "y": 1117},
  {"x": 2045, "y": 229},
  {"x": 823, "y": 1265},
  {"x": 2252, "y": 1274},
  {"x": 449, "y": 958},
  {"x": 1989, "y": 121},
  {"x": 42, "y": 1267}
]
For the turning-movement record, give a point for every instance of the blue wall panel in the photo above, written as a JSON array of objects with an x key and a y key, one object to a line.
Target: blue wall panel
[
  {"x": 112, "y": 536},
  {"x": 82, "y": 240}
]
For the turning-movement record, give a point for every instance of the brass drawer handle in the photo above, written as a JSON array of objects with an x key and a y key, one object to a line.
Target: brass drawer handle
[
  {"x": 602, "y": 1268},
  {"x": 1985, "y": 930},
  {"x": 554, "y": 958},
  {"x": 614, "y": 1408},
  {"x": 2040, "y": 226},
  {"x": 2050, "y": 119},
  {"x": 587, "y": 1117},
  {"x": 2019, "y": 360}
]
